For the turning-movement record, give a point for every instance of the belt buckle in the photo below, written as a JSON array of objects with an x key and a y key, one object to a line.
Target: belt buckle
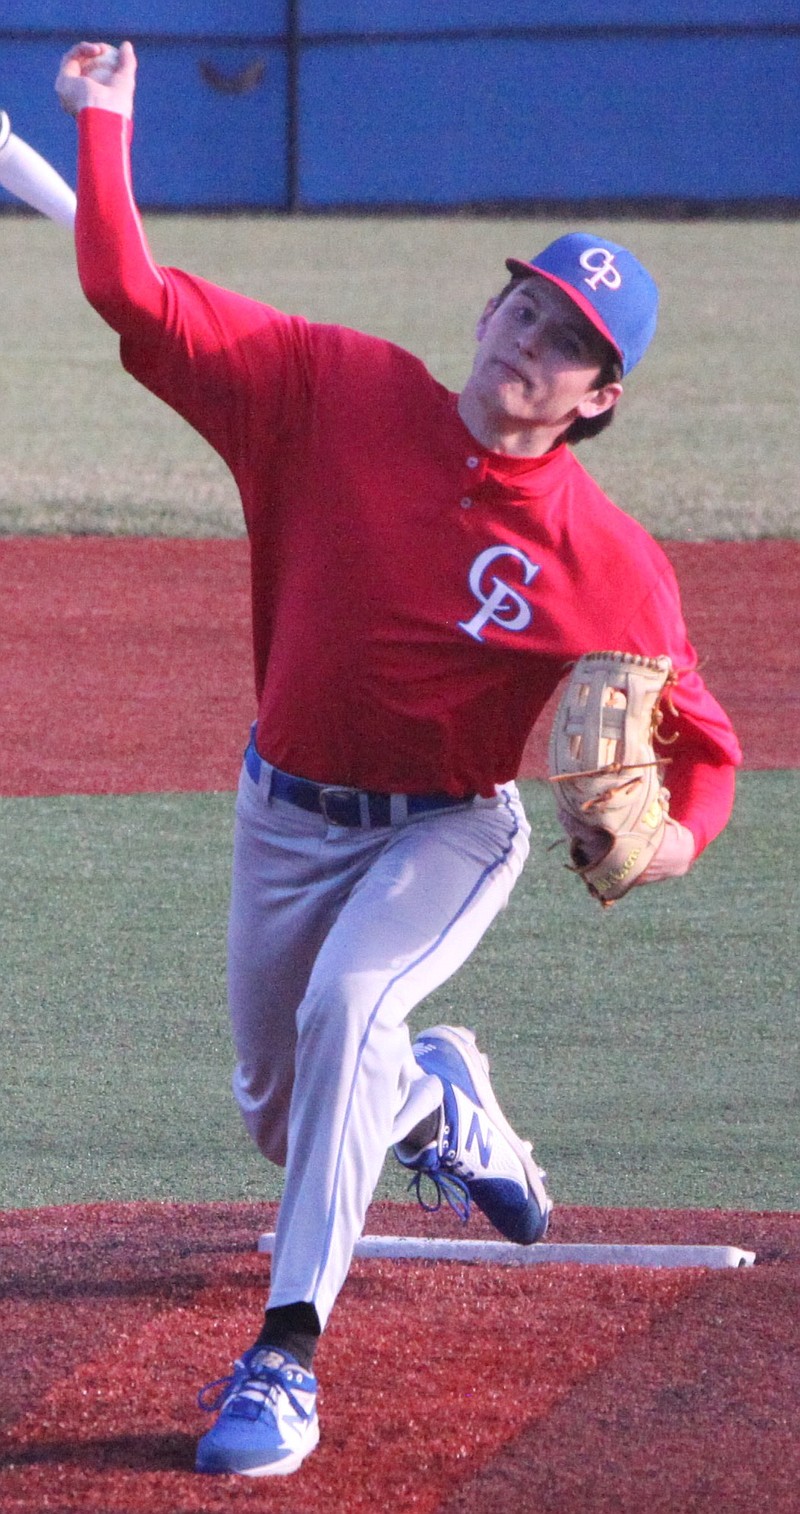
[{"x": 330, "y": 793}]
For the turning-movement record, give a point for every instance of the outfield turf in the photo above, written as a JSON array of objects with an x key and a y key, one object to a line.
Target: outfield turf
[
  {"x": 651, "y": 1049},
  {"x": 703, "y": 447}
]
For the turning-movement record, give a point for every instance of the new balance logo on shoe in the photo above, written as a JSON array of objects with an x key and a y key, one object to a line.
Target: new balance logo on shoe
[{"x": 475, "y": 1136}]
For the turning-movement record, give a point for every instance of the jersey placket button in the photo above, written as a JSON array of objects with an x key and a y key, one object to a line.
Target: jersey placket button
[{"x": 473, "y": 463}]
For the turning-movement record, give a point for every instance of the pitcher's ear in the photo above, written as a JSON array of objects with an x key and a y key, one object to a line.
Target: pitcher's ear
[{"x": 597, "y": 401}]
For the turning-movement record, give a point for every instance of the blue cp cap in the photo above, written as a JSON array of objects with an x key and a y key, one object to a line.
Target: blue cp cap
[{"x": 607, "y": 283}]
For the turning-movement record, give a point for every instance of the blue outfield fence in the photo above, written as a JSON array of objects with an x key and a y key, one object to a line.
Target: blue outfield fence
[{"x": 340, "y": 104}]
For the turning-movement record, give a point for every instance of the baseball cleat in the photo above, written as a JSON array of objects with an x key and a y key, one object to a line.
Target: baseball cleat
[
  {"x": 267, "y": 1419},
  {"x": 476, "y": 1156}
]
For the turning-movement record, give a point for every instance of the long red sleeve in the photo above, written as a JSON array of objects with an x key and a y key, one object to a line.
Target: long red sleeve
[
  {"x": 115, "y": 266},
  {"x": 701, "y": 796},
  {"x": 696, "y": 735}
]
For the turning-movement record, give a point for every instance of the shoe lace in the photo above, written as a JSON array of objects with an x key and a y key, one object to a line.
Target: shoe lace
[
  {"x": 222, "y": 1385},
  {"x": 447, "y": 1186},
  {"x": 261, "y": 1380}
]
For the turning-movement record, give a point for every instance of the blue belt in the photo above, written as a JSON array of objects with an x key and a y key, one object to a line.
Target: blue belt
[{"x": 361, "y": 808}]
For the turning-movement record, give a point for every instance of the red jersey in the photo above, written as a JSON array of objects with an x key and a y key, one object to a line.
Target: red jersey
[{"x": 415, "y": 596}]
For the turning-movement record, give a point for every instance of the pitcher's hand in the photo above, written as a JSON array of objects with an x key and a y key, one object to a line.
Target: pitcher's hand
[{"x": 77, "y": 86}]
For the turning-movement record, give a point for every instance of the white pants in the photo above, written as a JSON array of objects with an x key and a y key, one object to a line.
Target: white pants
[{"x": 335, "y": 935}]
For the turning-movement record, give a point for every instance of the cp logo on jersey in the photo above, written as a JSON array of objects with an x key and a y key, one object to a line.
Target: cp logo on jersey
[
  {"x": 600, "y": 263},
  {"x": 499, "y": 601}
]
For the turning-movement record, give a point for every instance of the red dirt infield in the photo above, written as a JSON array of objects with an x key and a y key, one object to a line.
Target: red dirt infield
[
  {"x": 126, "y": 663},
  {"x": 444, "y": 1388}
]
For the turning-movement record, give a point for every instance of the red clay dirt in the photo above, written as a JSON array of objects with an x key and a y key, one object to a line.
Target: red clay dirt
[
  {"x": 126, "y": 663},
  {"x": 445, "y": 1388}
]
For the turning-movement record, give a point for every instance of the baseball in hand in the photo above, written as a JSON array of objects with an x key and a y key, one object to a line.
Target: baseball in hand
[{"x": 102, "y": 68}]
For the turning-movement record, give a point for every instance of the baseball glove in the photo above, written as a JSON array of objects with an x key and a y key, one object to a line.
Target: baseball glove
[{"x": 608, "y": 780}]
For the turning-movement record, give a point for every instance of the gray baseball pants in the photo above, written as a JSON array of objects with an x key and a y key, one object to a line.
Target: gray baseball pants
[{"x": 335, "y": 935}]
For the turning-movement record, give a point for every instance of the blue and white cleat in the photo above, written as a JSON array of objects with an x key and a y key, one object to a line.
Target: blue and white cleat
[
  {"x": 267, "y": 1422},
  {"x": 476, "y": 1156}
]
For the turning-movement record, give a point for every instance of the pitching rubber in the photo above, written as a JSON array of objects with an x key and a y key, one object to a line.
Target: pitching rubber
[{"x": 505, "y": 1253}]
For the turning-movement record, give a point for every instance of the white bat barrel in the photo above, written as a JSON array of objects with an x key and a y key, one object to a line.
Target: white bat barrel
[{"x": 30, "y": 178}]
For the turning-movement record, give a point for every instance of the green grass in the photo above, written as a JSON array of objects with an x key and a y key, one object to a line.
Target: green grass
[
  {"x": 651, "y": 1049},
  {"x": 705, "y": 444}
]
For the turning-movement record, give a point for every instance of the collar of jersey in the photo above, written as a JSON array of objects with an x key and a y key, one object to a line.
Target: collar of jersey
[{"x": 539, "y": 474}]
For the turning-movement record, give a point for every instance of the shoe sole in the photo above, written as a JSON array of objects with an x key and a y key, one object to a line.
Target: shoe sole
[{"x": 464, "y": 1044}]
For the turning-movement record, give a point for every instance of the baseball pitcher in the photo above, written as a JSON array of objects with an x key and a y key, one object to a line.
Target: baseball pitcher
[{"x": 426, "y": 567}]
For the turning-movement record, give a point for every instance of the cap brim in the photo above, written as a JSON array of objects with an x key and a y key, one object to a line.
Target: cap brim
[{"x": 517, "y": 266}]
